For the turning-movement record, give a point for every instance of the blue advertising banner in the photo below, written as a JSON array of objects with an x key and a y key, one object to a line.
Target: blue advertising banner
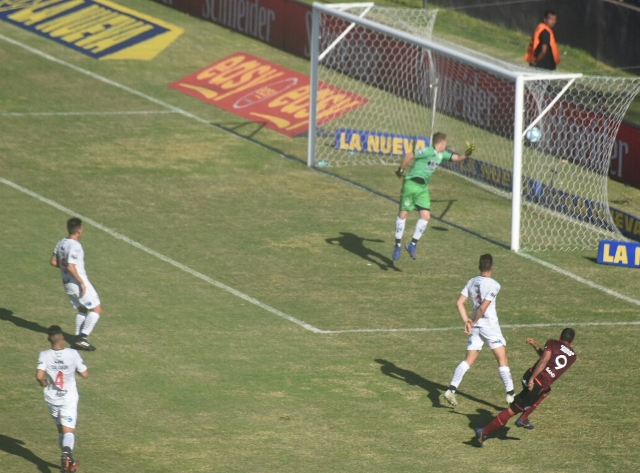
[{"x": 619, "y": 253}]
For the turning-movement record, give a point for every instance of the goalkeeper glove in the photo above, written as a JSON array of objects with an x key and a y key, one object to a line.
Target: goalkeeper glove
[
  {"x": 470, "y": 148},
  {"x": 399, "y": 172}
]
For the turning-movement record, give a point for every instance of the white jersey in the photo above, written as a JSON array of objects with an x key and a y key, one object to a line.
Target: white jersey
[
  {"x": 480, "y": 289},
  {"x": 60, "y": 367},
  {"x": 68, "y": 251}
]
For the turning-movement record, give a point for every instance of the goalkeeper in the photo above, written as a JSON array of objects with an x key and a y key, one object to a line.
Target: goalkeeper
[{"x": 415, "y": 187}]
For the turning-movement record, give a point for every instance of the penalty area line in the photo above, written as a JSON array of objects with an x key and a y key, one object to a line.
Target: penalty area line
[
  {"x": 447, "y": 329},
  {"x": 162, "y": 257}
]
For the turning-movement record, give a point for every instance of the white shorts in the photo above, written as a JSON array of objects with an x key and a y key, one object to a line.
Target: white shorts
[
  {"x": 90, "y": 300},
  {"x": 66, "y": 414},
  {"x": 492, "y": 335}
]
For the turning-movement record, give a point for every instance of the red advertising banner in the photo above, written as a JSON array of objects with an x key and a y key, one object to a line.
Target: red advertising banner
[
  {"x": 264, "y": 92},
  {"x": 625, "y": 160}
]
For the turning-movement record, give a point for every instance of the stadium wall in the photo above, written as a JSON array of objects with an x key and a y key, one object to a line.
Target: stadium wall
[{"x": 286, "y": 25}]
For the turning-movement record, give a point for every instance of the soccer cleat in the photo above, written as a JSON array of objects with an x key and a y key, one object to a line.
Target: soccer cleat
[
  {"x": 65, "y": 463},
  {"x": 396, "y": 252},
  {"x": 510, "y": 398},
  {"x": 524, "y": 423},
  {"x": 82, "y": 343},
  {"x": 479, "y": 437},
  {"x": 411, "y": 248},
  {"x": 450, "y": 397}
]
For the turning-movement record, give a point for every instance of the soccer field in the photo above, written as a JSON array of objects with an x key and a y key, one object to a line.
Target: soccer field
[{"x": 253, "y": 319}]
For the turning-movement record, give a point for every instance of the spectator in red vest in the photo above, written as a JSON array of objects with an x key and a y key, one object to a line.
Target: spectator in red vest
[{"x": 543, "y": 50}]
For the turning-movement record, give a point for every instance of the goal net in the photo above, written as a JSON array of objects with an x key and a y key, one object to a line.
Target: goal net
[{"x": 411, "y": 84}]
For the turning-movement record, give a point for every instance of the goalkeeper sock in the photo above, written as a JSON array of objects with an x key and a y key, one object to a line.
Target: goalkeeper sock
[
  {"x": 458, "y": 374},
  {"x": 505, "y": 375},
  {"x": 399, "y": 229},
  {"x": 421, "y": 226}
]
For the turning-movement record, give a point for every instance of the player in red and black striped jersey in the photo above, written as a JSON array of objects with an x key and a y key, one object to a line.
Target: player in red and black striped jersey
[{"x": 557, "y": 357}]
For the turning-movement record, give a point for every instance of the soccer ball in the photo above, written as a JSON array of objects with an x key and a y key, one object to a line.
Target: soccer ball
[{"x": 534, "y": 135}]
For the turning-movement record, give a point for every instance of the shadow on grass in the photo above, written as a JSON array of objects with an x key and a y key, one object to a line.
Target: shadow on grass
[
  {"x": 15, "y": 447},
  {"x": 591, "y": 258},
  {"x": 7, "y": 315},
  {"x": 355, "y": 244},
  {"x": 434, "y": 390},
  {"x": 482, "y": 418}
]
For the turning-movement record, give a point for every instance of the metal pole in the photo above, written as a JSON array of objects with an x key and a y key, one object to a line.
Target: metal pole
[
  {"x": 516, "y": 192},
  {"x": 313, "y": 92}
]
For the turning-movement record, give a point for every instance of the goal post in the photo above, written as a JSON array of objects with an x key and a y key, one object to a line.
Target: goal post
[{"x": 407, "y": 84}]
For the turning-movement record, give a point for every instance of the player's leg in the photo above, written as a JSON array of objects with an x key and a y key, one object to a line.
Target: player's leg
[
  {"x": 423, "y": 205},
  {"x": 407, "y": 204},
  {"x": 523, "y": 421},
  {"x": 498, "y": 346},
  {"x": 93, "y": 309},
  {"x": 474, "y": 345},
  {"x": 68, "y": 417}
]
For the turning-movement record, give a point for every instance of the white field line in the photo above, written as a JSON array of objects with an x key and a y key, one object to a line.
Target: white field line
[
  {"x": 162, "y": 257},
  {"x": 69, "y": 114},
  {"x": 460, "y": 328},
  {"x": 202, "y": 120}
]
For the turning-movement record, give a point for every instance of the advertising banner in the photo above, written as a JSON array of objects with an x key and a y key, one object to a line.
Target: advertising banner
[
  {"x": 264, "y": 92},
  {"x": 619, "y": 253},
  {"x": 98, "y": 28}
]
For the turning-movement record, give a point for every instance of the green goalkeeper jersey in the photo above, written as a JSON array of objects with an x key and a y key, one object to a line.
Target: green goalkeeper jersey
[{"x": 426, "y": 162}]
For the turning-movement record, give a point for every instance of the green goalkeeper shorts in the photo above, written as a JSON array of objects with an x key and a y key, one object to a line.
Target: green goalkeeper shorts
[{"x": 414, "y": 195}]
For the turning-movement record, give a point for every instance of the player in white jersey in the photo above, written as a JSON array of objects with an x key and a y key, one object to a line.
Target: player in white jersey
[
  {"x": 68, "y": 255},
  {"x": 482, "y": 327},
  {"x": 56, "y": 374}
]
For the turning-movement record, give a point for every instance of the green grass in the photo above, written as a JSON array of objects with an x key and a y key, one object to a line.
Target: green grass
[{"x": 188, "y": 377}]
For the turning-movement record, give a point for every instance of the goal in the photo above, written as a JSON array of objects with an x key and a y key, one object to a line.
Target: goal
[{"x": 411, "y": 84}]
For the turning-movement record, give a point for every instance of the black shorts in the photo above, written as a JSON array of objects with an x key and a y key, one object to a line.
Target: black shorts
[{"x": 526, "y": 398}]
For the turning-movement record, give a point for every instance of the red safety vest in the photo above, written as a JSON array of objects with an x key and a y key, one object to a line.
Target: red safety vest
[{"x": 535, "y": 41}]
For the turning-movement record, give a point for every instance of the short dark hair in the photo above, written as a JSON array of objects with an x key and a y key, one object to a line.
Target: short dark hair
[
  {"x": 73, "y": 225},
  {"x": 486, "y": 262},
  {"x": 567, "y": 335},
  {"x": 54, "y": 330},
  {"x": 548, "y": 12},
  {"x": 437, "y": 138}
]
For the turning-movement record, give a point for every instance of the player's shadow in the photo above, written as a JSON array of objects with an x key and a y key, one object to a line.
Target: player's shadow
[
  {"x": 7, "y": 315},
  {"x": 434, "y": 390},
  {"x": 355, "y": 245},
  {"x": 15, "y": 447},
  {"x": 482, "y": 418}
]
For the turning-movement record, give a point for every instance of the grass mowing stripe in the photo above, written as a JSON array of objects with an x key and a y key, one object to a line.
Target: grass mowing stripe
[
  {"x": 69, "y": 114},
  {"x": 166, "y": 259},
  {"x": 206, "y": 122}
]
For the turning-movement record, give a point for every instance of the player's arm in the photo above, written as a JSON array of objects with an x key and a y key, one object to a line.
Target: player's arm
[
  {"x": 41, "y": 378},
  {"x": 455, "y": 157},
  {"x": 71, "y": 267},
  {"x": 542, "y": 362},
  {"x": 405, "y": 162},
  {"x": 54, "y": 261},
  {"x": 84, "y": 374},
  {"x": 462, "y": 310},
  {"x": 534, "y": 344},
  {"x": 481, "y": 310}
]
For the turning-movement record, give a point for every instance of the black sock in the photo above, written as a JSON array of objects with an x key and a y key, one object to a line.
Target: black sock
[
  {"x": 414, "y": 241},
  {"x": 398, "y": 242},
  {"x": 452, "y": 388}
]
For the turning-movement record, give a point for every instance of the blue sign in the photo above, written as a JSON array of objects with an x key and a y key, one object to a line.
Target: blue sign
[{"x": 619, "y": 253}]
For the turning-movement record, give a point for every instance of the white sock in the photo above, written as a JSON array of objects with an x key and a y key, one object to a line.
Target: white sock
[
  {"x": 60, "y": 437},
  {"x": 505, "y": 374},
  {"x": 79, "y": 322},
  {"x": 421, "y": 226},
  {"x": 90, "y": 322},
  {"x": 69, "y": 440},
  {"x": 399, "y": 228},
  {"x": 462, "y": 368}
]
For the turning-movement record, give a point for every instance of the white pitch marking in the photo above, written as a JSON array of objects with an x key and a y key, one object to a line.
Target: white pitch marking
[
  {"x": 445, "y": 329},
  {"x": 166, "y": 259},
  {"x": 202, "y": 120},
  {"x": 68, "y": 114}
]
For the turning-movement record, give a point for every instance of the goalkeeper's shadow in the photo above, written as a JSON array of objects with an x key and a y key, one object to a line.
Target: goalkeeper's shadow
[{"x": 355, "y": 244}]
